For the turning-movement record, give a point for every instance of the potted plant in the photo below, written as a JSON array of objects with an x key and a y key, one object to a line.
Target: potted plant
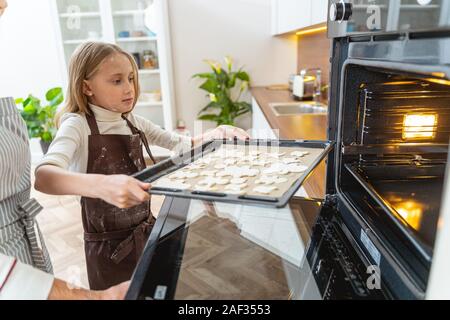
[
  {"x": 40, "y": 119},
  {"x": 224, "y": 88}
]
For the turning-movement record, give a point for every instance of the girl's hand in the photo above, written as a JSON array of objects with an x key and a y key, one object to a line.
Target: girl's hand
[
  {"x": 222, "y": 132},
  {"x": 122, "y": 191}
]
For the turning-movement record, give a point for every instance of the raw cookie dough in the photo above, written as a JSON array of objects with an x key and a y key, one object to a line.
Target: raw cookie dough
[
  {"x": 264, "y": 189},
  {"x": 183, "y": 175},
  {"x": 236, "y": 188},
  {"x": 268, "y": 180},
  {"x": 238, "y": 180},
  {"x": 208, "y": 173},
  {"x": 299, "y": 154},
  {"x": 296, "y": 168},
  {"x": 213, "y": 181},
  {"x": 291, "y": 160},
  {"x": 172, "y": 184}
]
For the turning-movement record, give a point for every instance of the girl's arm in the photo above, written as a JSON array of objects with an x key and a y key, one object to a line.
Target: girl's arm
[
  {"x": 119, "y": 190},
  {"x": 221, "y": 132},
  {"x": 52, "y": 176},
  {"x": 170, "y": 140}
]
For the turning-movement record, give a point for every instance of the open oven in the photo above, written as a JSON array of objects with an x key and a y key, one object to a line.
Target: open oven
[{"x": 390, "y": 118}]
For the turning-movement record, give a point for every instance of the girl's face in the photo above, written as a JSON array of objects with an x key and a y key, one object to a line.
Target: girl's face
[{"x": 112, "y": 86}]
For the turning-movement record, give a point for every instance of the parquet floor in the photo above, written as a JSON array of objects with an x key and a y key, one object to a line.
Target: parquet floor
[{"x": 218, "y": 263}]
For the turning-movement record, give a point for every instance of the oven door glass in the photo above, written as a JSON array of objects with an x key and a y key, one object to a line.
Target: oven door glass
[{"x": 214, "y": 250}]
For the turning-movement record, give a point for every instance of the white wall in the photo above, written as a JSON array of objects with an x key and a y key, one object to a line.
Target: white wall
[
  {"x": 200, "y": 29},
  {"x": 28, "y": 50},
  {"x": 211, "y": 29}
]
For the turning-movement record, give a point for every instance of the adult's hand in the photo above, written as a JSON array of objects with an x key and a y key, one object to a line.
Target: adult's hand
[
  {"x": 3, "y": 5},
  {"x": 117, "y": 292}
]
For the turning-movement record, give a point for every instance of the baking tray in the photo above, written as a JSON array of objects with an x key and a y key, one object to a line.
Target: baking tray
[{"x": 321, "y": 150}]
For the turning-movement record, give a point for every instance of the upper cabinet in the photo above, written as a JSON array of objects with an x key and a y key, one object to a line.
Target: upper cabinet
[
  {"x": 291, "y": 15},
  {"x": 319, "y": 12}
]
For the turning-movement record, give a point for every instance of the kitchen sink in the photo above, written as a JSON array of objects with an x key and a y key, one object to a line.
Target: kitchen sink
[{"x": 299, "y": 108}]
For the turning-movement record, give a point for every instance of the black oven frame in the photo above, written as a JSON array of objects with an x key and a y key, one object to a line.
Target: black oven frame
[{"x": 400, "y": 280}]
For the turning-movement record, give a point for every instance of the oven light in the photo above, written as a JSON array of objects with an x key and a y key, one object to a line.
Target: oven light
[
  {"x": 411, "y": 212},
  {"x": 440, "y": 81},
  {"x": 419, "y": 126}
]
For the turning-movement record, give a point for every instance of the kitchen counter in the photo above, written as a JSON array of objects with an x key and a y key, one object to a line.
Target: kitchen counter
[
  {"x": 311, "y": 128},
  {"x": 293, "y": 127}
]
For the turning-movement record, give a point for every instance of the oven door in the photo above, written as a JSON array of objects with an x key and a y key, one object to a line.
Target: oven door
[{"x": 212, "y": 250}]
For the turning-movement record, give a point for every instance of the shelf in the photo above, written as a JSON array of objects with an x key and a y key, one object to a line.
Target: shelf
[
  {"x": 80, "y": 15},
  {"x": 121, "y": 13},
  {"x": 149, "y": 104},
  {"x": 136, "y": 39},
  {"x": 365, "y": 6},
  {"x": 149, "y": 71},
  {"x": 79, "y": 41},
  {"x": 418, "y": 7}
]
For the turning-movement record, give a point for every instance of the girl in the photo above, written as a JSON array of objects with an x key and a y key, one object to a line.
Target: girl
[{"x": 97, "y": 147}]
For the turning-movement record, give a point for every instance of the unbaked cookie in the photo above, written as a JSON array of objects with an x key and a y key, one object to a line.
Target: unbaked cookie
[
  {"x": 195, "y": 166},
  {"x": 229, "y": 162},
  {"x": 299, "y": 154},
  {"x": 238, "y": 180},
  {"x": 220, "y": 166},
  {"x": 205, "y": 188},
  {"x": 183, "y": 175},
  {"x": 208, "y": 173},
  {"x": 172, "y": 184},
  {"x": 236, "y": 188},
  {"x": 296, "y": 168},
  {"x": 291, "y": 160},
  {"x": 269, "y": 180},
  {"x": 213, "y": 181},
  {"x": 265, "y": 189},
  {"x": 277, "y": 168}
]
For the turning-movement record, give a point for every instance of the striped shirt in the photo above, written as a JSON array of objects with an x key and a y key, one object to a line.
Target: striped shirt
[{"x": 20, "y": 236}]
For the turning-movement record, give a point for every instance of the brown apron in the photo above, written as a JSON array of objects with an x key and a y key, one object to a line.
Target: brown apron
[{"x": 114, "y": 238}]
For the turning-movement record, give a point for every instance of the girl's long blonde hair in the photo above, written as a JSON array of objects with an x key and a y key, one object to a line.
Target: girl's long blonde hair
[{"x": 84, "y": 63}]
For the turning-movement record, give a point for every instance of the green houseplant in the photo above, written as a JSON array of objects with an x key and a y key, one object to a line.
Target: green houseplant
[
  {"x": 40, "y": 119},
  {"x": 224, "y": 88}
]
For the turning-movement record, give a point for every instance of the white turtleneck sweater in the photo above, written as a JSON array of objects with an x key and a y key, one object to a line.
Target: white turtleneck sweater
[{"x": 69, "y": 149}]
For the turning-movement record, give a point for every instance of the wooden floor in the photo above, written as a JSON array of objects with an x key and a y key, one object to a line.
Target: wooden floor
[{"x": 60, "y": 223}]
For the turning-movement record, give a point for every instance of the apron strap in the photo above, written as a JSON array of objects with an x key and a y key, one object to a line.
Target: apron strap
[
  {"x": 142, "y": 136},
  {"x": 92, "y": 124}
]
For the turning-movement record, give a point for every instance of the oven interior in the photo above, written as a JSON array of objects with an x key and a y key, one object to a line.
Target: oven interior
[{"x": 394, "y": 135}]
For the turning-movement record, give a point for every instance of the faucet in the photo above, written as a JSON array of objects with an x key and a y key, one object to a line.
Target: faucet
[{"x": 317, "y": 74}]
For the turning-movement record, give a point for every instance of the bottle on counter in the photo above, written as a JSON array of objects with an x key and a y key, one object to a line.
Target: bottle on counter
[{"x": 181, "y": 128}]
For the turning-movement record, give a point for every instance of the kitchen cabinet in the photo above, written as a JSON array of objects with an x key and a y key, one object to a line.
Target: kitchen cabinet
[
  {"x": 137, "y": 26},
  {"x": 319, "y": 11},
  {"x": 261, "y": 127},
  {"x": 291, "y": 15}
]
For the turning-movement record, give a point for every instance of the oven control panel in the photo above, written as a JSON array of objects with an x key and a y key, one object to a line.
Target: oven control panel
[{"x": 362, "y": 17}]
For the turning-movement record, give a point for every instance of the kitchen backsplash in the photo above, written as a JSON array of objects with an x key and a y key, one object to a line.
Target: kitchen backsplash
[{"x": 314, "y": 51}]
